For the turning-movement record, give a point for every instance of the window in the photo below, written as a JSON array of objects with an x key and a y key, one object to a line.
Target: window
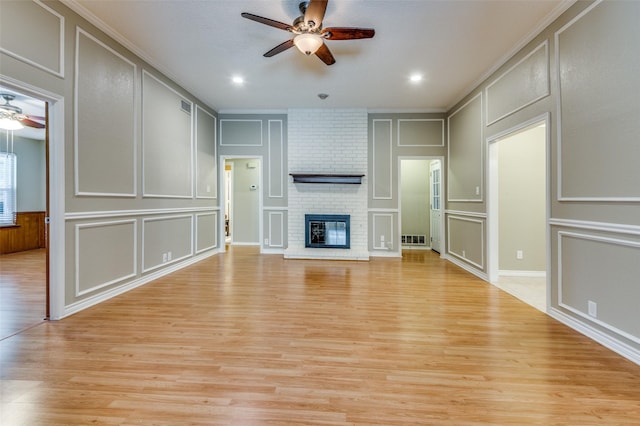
[{"x": 7, "y": 188}]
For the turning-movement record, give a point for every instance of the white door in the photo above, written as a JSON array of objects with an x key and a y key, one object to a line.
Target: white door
[{"x": 435, "y": 178}]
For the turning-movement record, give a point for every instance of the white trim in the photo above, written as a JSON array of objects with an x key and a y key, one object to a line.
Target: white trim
[
  {"x": 375, "y": 216},
  {"x": 576, "y": 311},
  {"x": 442, "y": 210},
  {"x": 215, "y": 153},
  {"x": 481, "y": 195},
  {"x": 482, "y": 245},
  {"x": 604, "y": 339},
  {"x": 399, "y": 140},
  {"x": 284, "y": 209},
  {"x": 530, "y": 274},
  {"x": 544, "y": 44},
  {"x": 492, "y": 189},
  {"x": 596, "y": 226},
  {"x": 76, "y": 171},
  {"x": 134, "y": 235},
  {"x": 467, "y": 267},
  {"x": 244, "y": 120},
  {"x": 465, "y": 213},
  {"x": 191, "y": 138},
  {"x": 222, "y": 159},
  {"x": 373, "y": 160},
  {"x": 141, "y": 212},
  {"x": 106, "y": 295},
  {"x": 383, "y": 210},
  {"x": 60, "y": 71},
  {"x": 270, "y": 215},
  {"x": 215, "y": 232},
  {"x": 56, "y": 189},
  {"x": 177, "y": 259},
  {"x": 281, "y": 158},
  {"x": 560, "y": 196}
]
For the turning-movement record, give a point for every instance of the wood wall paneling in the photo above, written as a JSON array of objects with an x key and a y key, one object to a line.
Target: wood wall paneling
[{"x": 27, "y": 234}]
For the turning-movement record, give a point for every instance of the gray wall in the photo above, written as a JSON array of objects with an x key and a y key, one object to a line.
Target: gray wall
[
  {"x": 31, "y": 190},
  {"x": 581, "y": 72},
  {"x": 415, "y": 198},
  {"x": 522, "y": 201},
  {"x": 137, "y": 166}
]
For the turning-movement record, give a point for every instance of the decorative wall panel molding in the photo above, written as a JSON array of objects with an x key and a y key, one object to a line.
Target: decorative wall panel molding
[
  {"x": 276, "y": 159},
  {"x": 523, "y": 84},
  {"x": 40, "y": 23},
  {"x": 466, "y": 240},
  {"x": 382, "y": 160},
  {"x": 383, "y": 231},
  {"x": 598, "y": 106},
  {"x": 206, "y": 234},
  {"x": 167, "y": 143},
  {"x": 166, "y": 240},
  {"x": 276, "y": 229},
  {"x": 239, "y": 132},
  {"x": 206, "y": 159},
  {"x": 104, "y": 154},
  {"x": 419, "y": 131},
  {"x": 465, "y": 150},
  {"x": 613, "y": 291},
  {"x": 105, "y": 254}
]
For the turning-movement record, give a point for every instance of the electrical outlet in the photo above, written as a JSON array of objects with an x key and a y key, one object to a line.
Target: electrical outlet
[
  {"x": 592, "y": 308},
  {"x": 382, "y": 238},
  {"x": 169, "y": 256},
  {"x": 477, "y": 190},
  {"x": 464, "y": 253},
  {"x": 208, "y": 188},
  {"x": 519, "y": 255},
  {"x": 164, "y": 257},
  {"x": 266, "y": 241}
]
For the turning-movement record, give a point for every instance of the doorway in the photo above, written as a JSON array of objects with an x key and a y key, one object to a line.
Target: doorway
[
  {"x": 518, "y": 211},
  {"x": 420, "y": 223},
  {"x": 24, "y": 192},
  {"x": 242, "y": 197}
]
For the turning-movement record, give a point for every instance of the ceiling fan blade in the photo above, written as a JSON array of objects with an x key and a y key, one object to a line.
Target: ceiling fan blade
[
  {"x": 279, "y": 48},
  {"x": 30, "y": 123},
  {"x": 325, "y": 55},
  {"x": 345, "y": 33},
  {"x": 36, "y": 117},
  {"x": 267, "y": 21},
  {"x": 315, "y": 13}
]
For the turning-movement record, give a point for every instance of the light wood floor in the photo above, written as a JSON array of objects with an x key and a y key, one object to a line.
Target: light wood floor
[
  {"x": 245, "y": 339},
  {"x": 22, "y": 290}
]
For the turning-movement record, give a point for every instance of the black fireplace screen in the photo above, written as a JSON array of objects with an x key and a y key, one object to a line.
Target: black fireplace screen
[{"x": 327, "y": 231}]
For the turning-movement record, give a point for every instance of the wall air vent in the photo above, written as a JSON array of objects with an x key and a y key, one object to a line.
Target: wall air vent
[
  {"x": 414, "y": 240},
  {"x": 185, "y": 106}
]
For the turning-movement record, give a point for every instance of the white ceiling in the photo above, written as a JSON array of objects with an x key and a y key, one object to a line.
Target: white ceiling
[{"x": 203, "y": 44}]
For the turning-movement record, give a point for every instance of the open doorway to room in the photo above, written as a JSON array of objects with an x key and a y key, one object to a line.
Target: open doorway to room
[
  {"x": 517, "y": 222},
  {"x": 421, "y": 224},
  {"x": 242, "y": 197},
  {"x": 24, "y": 287}
]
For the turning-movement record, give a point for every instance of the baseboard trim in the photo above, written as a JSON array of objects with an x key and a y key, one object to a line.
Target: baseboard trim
[
  {"x": 101, "y": 297},
  {"x": 604, "y": 339},
  {"x": 478, "y": 273},
  {"x": 531, "y": 274}
]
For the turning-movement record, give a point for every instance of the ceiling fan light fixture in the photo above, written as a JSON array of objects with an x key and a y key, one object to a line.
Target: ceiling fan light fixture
[
  {"x": 308, "y": 43},
  {"x": 10, "y": 124}
]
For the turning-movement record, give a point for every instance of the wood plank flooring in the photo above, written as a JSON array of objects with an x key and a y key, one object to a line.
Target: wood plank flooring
[
  {"x": 22, "y": 290},
  {"x": 250, "y": 339}
]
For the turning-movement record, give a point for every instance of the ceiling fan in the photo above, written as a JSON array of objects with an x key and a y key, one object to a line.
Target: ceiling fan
[
  {"x": 309, "y": 34},
  {"x": 10, "y": 113}
]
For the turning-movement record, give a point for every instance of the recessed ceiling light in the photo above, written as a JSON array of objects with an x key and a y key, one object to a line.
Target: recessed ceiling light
[
  {"x": 415, "y": 78},
  {"x": 323, "y": 96},
  {"x": 237, "y": 80}
]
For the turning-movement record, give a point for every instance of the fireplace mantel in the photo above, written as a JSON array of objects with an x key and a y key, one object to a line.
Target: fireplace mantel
[{"x": 326, "y": 178}]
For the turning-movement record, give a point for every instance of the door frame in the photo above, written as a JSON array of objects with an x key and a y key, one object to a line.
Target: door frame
[
  {"x": 442, "y": 186},
  {"x": 223, "y": 159},
  {"x": 492, "y": 195},
  {"x": 54, "y": 141}
]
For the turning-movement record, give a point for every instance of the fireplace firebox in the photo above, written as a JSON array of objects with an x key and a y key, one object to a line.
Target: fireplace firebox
[{"x": 326, "y": 231}]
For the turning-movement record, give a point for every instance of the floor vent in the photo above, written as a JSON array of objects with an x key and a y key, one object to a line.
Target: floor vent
[{"x": 414, "y": 240}]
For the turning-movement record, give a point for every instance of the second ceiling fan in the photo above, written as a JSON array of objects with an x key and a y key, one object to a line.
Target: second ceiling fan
[{"x": 309, "y": 34}]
